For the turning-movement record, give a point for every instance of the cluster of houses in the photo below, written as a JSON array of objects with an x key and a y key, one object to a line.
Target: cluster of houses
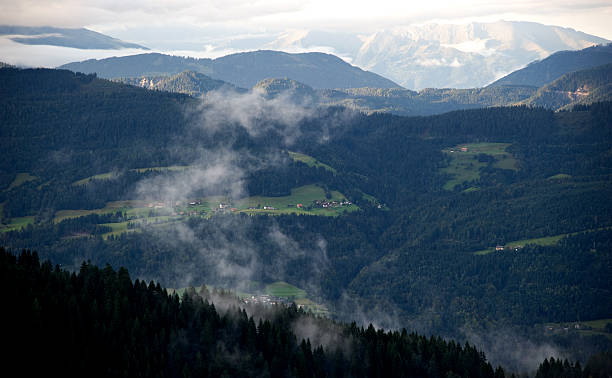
[
  {"x": 326, "y": 204},
  {"x": 461, "y": 149},
  {"x": 265, "y": 300},
  {"x": 501, "y": 248},
  {"x": 156, "y": 205},
  {"x": 224, "y": 208},
  {"x": 566, "y": 327}
]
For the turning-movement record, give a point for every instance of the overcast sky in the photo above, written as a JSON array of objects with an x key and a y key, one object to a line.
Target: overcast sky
[{"x": 181, "y": 18}]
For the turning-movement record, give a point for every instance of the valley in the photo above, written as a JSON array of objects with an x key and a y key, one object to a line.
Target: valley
[{"x": 277, "y": 212}]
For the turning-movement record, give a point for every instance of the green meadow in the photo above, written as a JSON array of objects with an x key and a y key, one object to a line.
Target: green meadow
[
  {"x": 110, "y": 175},
  {"x": 310, "y": 161},
  {"x": 583, "y": 328},
  {"x": 15, "y": 224},
  {"x": 21, "y": 179},
  {"x": 543, "y": 241},
  {"x": 465, "y": 167}
]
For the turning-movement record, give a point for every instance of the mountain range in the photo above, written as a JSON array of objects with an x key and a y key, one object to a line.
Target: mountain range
[
  {"x": 588, "y": 85},
  {"x": 442, "y": 56},
  {"x": 415, "y": 57},
  {"x": 317, "y": 70}
]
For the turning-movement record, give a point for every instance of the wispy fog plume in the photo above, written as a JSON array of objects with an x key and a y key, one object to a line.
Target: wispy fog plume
[
  {"x": 514, "y": 352},
  {"x": 223, "y": 257},
  {"x": 311, "y": 258},
  {"x": 225, "y": 250},
  {"x": 254, "y": 111},
  {"x": 381, "y": 316},
  {"x": 321, "y": 333},
  {"x": 215, "y": 172}
]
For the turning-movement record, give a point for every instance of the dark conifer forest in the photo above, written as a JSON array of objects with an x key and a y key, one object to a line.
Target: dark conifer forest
[{"x": 98, "y": 322}]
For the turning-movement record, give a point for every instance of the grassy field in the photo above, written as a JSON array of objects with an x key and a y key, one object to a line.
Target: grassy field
[
  {"x": 544, "y": 241},
  {"x": 132, "y": 209},
  {"x": 304, "y": 195},
  {"x": 21, "y": 179},
  {"x": 284, "y": 290},
  {"x": 310, "y": 161},
  {"x": 170, "y": 168},
  {"x": 315, "y": 308},
  {"x": 585, "y": 328},
  {"x": 117, "y": 229},
  {"x": 109, "y": 175},
  {"x": 559, "y": 176},
  {"x": 549, "y": 240},
  {"x": 278, "y": 289},
  {"x": 101, "y": 176},
  {"x": 142, "y": 212},
  {"x": 17, "y": 223},
  {"x": 465, "y": 167}
]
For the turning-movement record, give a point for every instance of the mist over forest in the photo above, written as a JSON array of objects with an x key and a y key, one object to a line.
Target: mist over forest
[{"x": 423, "y": 199}]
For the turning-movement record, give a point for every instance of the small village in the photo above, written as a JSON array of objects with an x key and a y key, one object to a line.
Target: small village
[
  {"x": 461, "y": 149},
  {"x": 265, "y": 299},
  {"x": 501, "y": 248},
  {"x": 326, "y": 204},
  {"x": 194, "y": 208}
]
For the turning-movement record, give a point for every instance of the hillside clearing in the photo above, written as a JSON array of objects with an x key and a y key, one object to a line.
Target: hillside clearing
[
  {"x": 310, "y": 161},
  {"x": 466, "y": 160},
  {"x": 543, "y": 241},
  {"x": 21, "y": 179},
  {"x": 111, "y": 175},
  {"x": 284, "y": 290},
  {"x": 17, "y": 223}
]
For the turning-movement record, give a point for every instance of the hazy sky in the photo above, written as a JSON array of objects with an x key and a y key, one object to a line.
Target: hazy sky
[{"x": 144, "y": 19}]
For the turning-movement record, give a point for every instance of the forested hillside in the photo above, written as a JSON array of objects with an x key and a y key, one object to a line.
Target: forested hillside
[
  {"x": 369, "y": 100},
  {"x": 188, "y": 82},
  {"x": 97, "y": 322},
  {"x": 580, "y": 87},
  {"x": 95, "y": 170}
]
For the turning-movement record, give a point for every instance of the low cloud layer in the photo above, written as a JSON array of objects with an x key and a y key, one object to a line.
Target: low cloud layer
[{"x": 266, "y": 15}]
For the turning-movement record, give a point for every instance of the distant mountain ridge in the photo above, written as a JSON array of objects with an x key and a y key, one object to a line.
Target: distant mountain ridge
[
  {"x": 584, "y": 87},
  {"x": 414, "y": 56},
  {"x": 76, "y": 38},
  {"x": 317, "y": 70},
  {"x": 151, "y": 64},
  {"x": 367, "y": 100},
  {"x": 544, "y": 71}
]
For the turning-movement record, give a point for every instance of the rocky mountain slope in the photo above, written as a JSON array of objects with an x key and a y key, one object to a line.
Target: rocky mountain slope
[{"x": 442, "y": 56}]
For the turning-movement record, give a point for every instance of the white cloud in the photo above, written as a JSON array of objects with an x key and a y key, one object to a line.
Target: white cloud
[
  {"x": 213, "y": 28},
  {"x": 354, "y": 15},
  {"x": 52, "y": 56}
]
